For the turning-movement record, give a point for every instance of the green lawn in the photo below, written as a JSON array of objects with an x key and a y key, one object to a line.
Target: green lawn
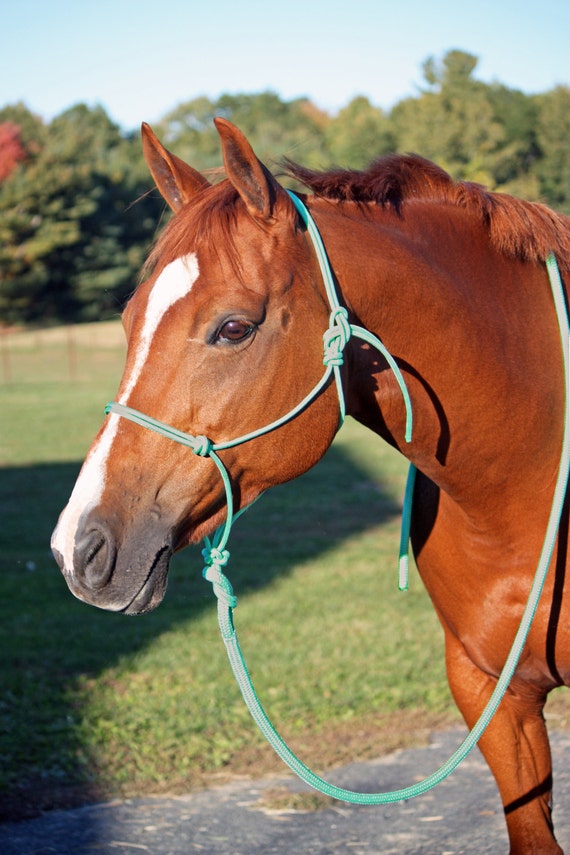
[{"x": 95, "y": 704}]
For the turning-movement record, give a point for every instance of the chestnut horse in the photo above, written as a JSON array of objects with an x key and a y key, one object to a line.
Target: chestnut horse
[{"x": 225, "y": 335}]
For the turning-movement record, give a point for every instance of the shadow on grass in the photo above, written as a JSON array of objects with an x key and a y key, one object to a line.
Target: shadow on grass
[{"x": 48, "y": 638}]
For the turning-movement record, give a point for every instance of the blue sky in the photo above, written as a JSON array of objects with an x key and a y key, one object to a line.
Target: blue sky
[{"x": 140, "y": 59}]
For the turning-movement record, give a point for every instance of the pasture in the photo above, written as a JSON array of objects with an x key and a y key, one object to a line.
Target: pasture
[{"x": 95, "y": 705}]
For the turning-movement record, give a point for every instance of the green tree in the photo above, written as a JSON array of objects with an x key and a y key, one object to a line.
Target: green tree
[
  {"x": 452, "y": 122},
  {"x": 70, "y": 245},
  {"x": 358, "y": 134},
  {"x": 274, "y": 127},
  {"x": 78, "y": 209},
  {"x": 553, "y": 137},
  {"x": 189, "y": 130},
  {"x": 513, "y": 162}
]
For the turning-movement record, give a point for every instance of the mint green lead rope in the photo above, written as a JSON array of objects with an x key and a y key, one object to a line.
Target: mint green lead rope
[
  {"x": 216, "y": 555},
  {"x": 260, "y": 717}
]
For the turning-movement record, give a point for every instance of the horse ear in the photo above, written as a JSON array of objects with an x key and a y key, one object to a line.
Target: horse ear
[
  {"x": 177, "y": 181},
  {"x": 253, "y": 181}
]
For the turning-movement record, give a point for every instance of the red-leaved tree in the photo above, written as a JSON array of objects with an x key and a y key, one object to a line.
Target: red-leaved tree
[{"x": 11, "y": 149}]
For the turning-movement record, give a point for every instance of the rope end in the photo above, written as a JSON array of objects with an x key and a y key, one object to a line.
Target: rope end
[{"x": 403, "y": 574}]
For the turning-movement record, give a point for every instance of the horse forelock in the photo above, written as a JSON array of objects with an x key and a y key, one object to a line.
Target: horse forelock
[
  {"x": 523, "y": 230},
  {"x": 210, "y": 219}
]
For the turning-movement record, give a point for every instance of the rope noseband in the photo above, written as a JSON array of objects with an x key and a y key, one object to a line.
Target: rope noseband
[{"x": 216, "y": 555}]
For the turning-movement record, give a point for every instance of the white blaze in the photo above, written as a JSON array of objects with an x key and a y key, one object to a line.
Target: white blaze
[{"x": 175, "y": 281}]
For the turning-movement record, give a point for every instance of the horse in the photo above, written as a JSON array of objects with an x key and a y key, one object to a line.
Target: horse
[{"x": 225, "y": 335}]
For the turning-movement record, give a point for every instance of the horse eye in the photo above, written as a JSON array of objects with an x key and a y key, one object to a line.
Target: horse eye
[{"x": 235, "y": 331}]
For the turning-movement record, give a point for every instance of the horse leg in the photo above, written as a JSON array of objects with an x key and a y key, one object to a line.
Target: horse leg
[{"x": 516, "y": 748}]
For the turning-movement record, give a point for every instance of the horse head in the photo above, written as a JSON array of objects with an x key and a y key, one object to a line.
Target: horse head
[{"x": 224, "y": 336}]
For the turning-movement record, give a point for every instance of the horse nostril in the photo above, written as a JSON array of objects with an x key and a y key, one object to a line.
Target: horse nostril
[{"x": 94, "y": 558}]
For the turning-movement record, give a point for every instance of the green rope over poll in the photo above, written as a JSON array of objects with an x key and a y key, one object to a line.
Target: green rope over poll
[{"x": 216, "y": 555}]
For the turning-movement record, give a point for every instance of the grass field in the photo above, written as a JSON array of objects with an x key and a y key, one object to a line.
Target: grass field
[{"x": 95, "y": 705}]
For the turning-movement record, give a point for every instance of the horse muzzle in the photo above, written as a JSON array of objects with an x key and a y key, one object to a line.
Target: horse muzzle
[{"x": 128, "y": 576}]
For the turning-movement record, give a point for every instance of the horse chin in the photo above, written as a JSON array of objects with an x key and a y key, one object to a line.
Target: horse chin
[
  {"x": 152, "y": 592},
  {"x": 145, "y": 601}
]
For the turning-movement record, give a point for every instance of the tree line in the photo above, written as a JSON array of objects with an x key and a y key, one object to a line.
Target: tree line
[{"x": 78, "y": 212}]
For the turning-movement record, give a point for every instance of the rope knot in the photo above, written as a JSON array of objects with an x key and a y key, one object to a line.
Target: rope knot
[
  {"x": 215, "y": 556},
  {"x": 215, "y": 559},
  {"x": 336, "y": 337},
  {"x": 202, "y": 446}
]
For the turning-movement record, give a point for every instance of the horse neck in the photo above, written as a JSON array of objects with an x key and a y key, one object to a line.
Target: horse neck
[{"x": 474, "y": 333}]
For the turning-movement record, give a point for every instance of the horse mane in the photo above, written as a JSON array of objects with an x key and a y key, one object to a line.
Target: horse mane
[{"x": 527, "y": 231}]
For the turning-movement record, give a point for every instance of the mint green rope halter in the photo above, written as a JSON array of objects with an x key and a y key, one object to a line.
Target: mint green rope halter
[{"x": 217, "y": 556}]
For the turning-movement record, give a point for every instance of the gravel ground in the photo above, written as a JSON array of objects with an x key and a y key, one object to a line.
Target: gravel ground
[{"x": 463, "y": 815}]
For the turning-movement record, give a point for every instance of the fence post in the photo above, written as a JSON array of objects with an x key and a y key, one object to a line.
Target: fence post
[
  {"x": 6, "y": 362},
  {"x": 71, "y": 353}
]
